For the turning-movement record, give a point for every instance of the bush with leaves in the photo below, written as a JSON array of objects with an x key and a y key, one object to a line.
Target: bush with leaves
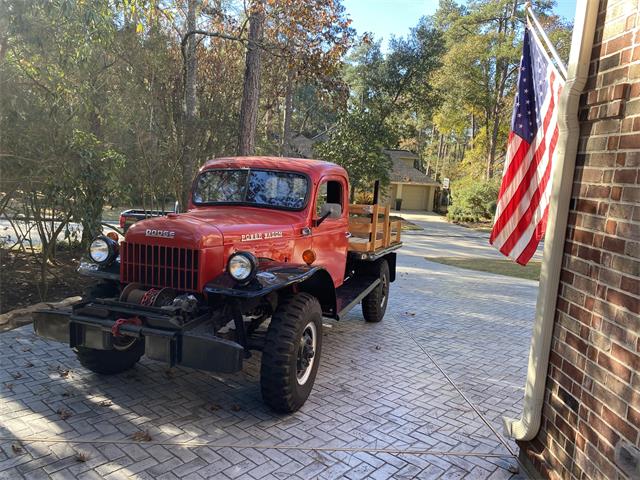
[
  {"x": 356, "y": 143},
  {"x": 473, "y": 200},
  {"x": 94, "y": 168}
]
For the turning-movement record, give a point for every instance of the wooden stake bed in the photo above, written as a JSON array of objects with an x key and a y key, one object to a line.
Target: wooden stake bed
[{"x": 372, "y": 229}]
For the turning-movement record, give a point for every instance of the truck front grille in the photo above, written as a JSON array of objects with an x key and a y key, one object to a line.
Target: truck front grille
[{"x": 159, "y": 266}]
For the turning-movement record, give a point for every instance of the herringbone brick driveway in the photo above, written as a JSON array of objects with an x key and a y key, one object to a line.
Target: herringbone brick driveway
[{"x": 401, "y": 399}]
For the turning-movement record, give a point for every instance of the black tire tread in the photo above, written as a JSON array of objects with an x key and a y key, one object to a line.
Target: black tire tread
[
  {"x": 280, "y": 348},
  {"x": 372, "y": 311},
  {"x": 109, "y": 362}
]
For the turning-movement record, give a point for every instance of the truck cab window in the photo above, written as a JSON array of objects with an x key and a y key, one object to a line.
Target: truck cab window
[{"x": 329, "y": 192}]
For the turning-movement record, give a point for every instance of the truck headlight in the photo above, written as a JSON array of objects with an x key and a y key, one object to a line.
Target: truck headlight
[
  {"x": 103, "y": 250},
  {"x": 242, "y": 266}
]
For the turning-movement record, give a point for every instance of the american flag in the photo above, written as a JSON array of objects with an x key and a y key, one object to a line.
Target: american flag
[{"x": 523, "y": 202}]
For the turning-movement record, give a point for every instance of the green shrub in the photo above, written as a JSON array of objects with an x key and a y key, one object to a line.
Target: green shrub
[{"x": 473, "y": 200}]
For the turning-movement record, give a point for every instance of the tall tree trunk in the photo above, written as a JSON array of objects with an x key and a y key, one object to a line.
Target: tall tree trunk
[
  {"x": 190, "y": 109},
  {"x": 502, "y": 72},
  {"x": 285, "y": 147},
  {"x": 473, "y": 129},
  {"x": 251, "y": 91},
  {"x": 493, "y": 141}
]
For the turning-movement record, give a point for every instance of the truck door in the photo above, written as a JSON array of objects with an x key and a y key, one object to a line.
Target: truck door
[{"x": 331, "y": 237}]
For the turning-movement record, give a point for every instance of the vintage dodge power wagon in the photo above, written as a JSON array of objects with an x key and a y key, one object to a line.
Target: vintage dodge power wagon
[{"x": 266, "y": 248}]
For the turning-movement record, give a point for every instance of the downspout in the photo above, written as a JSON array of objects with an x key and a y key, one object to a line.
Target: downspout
[{"x": 526, "y": 427}]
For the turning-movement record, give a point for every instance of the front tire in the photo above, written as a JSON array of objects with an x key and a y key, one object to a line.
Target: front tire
[
  {"x": 109, "y": 362},
  {"x": 291, "y": 353},
  {"x": 103, "y": 289},
  {"x": 374, "y": 305}
]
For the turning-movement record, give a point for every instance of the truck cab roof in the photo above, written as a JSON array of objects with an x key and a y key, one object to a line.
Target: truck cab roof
[{"x": 315, "y": 169}]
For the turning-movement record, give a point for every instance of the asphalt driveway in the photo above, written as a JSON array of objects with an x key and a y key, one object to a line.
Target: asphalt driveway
[{"x": 419, "y": 395}]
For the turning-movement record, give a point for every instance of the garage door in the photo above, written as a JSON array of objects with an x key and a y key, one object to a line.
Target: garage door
[{"x": 414, "y": 197}]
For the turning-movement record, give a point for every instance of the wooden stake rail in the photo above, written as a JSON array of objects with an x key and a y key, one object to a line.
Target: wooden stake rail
[{"x": 371, "y": 228}]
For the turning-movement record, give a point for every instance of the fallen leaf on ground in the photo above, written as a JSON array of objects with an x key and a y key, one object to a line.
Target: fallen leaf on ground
[
  {"x": 64, "y": 373},
  {"x": 141, "y": 436},
  {"x": 64, "y": 414},
  {"x": 28, "y": 365},
  {"x": 214, "y": 407},
  {"x": 378, "y": 347},
  {"x": 16, "y": 375},
  {"x": 82, "y": 457},
  {"x": 8, "y": 386},
  {"x": 235, "y": 407},
  {"x": 105, "y": 403},
  {"x": 17, "y": 449}
]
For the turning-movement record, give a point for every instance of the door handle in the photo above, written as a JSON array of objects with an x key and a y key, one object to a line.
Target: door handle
[{"x": 347, "y": 234}]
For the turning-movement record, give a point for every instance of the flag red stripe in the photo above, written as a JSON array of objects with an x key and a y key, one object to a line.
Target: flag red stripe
[
  {"x": 514, "y": 165},
  {"x": 532, "y": 246},
  {"x": 517, "y": 159},
  {"x": 527, "y": 216},
  {"x": 516, "y": 198}
]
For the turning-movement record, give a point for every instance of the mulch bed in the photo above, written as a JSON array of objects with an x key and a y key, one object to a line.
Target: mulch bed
[{"x": 20, "y": 284}]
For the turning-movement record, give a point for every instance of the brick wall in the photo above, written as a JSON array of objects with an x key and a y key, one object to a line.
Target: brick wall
[{"x": 592, "y": 398}]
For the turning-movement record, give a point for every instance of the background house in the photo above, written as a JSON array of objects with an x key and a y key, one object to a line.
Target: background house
[{"x": 410, "y": 188}]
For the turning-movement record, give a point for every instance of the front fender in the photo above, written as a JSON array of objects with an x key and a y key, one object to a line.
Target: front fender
[
  {"x": 89, "y": 268},
  {"x": 275, "y": 276}
]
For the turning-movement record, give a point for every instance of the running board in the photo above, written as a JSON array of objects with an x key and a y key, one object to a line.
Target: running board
[{"x": 351, "y": 294}]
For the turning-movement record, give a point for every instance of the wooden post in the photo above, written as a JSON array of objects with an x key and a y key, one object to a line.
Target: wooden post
[
  {"x": 374, "y": 227},
  {"x": 387, "y": 228}
]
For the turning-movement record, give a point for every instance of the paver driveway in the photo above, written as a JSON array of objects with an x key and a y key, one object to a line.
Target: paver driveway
[{"x": 405, "y": 398}]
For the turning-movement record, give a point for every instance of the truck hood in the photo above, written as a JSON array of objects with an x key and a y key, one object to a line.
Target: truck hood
[
  {"x": 216, "y": 226},
  {"x": 176, "y": 230},
  {"x": 246, "y": 224}
]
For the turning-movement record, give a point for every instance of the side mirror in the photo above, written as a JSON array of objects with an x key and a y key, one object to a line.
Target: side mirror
[
  {"x": 176, "y": 207},
  {"x": 329, "y": 210}
]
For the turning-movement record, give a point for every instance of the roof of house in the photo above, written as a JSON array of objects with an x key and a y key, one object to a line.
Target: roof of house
[{"x": 404, "y": 173}]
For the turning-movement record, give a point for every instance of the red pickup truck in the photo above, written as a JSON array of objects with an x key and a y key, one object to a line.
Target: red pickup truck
[{"x": 265, "y": 250}]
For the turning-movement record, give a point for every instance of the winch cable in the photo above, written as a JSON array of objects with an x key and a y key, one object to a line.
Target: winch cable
[
  {"x": 461, "y": 393},
  {"x": 239, "y": 446}
]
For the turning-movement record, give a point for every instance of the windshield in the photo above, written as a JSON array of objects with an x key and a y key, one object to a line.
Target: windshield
[{"x": 252, "y": 187}]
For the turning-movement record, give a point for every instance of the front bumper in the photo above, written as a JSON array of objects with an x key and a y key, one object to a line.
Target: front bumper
[{"x": 89, "y": 325}]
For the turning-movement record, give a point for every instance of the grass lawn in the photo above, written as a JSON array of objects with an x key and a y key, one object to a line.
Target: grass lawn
[
  {"x": 478, "y": 226},
  {"x": 406, "y": 224},
  {"x": 500, "y": 267}
]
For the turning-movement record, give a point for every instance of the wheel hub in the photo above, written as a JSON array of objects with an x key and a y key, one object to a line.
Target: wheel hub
[
  {"x": 383, "y": 285},
  {"x": 306, "y": 353}
]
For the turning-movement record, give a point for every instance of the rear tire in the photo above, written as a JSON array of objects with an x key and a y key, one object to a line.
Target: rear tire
[
  {"x": 374, "y": 305},
  {"x": 291, "y": 353},
  {"x": 109, "y": 362}
]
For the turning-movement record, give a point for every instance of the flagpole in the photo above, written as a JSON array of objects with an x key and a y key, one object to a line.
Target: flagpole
[{"x": 563, "y": 70}]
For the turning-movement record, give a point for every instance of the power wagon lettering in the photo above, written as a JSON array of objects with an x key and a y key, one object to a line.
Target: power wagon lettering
[{"x": 260, "y": 236}]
